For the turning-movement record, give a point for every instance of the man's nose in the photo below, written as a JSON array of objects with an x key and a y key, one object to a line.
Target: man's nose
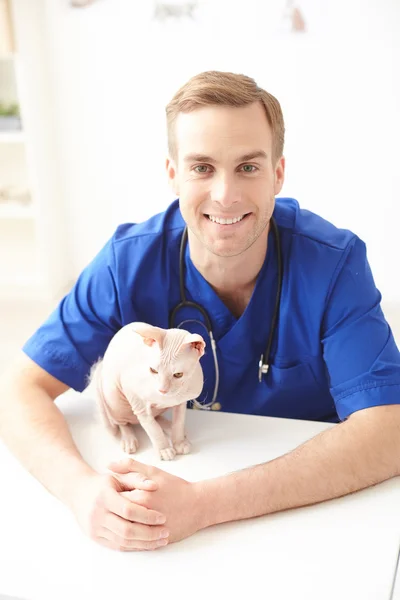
[
  {"x": 224, "y": 191},
  {"x": 163, "y": 391}
]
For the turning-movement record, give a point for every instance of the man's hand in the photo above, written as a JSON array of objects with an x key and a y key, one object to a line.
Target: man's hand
[
  {"x": 112, "y": 519},
  {"x": 176, "y": 498}
]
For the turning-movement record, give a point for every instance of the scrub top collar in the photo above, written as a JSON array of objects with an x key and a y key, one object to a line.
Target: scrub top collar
[{"x": 238, "y": 337}]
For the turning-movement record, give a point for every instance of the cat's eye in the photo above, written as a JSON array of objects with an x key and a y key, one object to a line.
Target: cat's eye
[
  {"x": 178, "y": 375},
  {"x": 153, "y": 370}
]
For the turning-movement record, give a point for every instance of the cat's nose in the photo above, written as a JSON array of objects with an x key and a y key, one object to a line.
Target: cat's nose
[{"x": 163, "y": 391}]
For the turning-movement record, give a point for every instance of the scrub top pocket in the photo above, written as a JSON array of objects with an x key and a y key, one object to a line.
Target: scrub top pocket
[
  {"x": 295, "y": 390},
  {"x": 300, "y": 374}
]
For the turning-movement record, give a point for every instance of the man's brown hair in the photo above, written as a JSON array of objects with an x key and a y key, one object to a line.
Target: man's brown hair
[{"x": 225, "y": 89}]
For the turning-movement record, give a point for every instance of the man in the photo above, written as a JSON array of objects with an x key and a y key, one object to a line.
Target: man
[{"x": 332, "y": 358}]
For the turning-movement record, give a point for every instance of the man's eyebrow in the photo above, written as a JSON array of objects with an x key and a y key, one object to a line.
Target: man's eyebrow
[
  {"x": 253, "y": 155},
  {"x": 194, "y": 157},
  {"x": 198, "y": 158}
]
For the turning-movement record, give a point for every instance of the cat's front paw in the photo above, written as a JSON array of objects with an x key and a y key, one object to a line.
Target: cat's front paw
[
  {"x": 182, "y": 447},
  {"x": 130, "y": 445},
  {"x": 167, "y": 453}
]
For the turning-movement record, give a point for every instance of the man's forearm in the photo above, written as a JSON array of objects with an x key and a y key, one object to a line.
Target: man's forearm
[
  {"x": 36, "y": 432},
  {"x": 353, "y": 455}
]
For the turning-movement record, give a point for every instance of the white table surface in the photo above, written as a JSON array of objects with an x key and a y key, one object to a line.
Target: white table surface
[{"x": 345, "y": 548}]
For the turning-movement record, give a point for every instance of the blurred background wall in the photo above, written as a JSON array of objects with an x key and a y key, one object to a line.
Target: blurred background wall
[
  {"x": 101, "y": 76},
  {"x": 114, "y": 69}
]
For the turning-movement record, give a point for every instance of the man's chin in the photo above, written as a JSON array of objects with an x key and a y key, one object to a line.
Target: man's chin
[{"x": 225, "y": 249}]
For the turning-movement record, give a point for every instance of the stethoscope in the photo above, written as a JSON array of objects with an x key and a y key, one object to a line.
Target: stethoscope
[{"x": 264, "y": 363}]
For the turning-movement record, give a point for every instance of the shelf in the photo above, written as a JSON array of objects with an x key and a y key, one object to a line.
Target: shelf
[
  {"x": 12, "y": 137},
  {"x": 12, "y": 210}
]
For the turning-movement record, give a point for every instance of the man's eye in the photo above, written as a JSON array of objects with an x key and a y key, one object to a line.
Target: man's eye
[
  {"x": 178, "y": 375},
  {"x": 153, "y": 370},
  {"x": 249, "y": 168},
  {"x": 201, "y": 169}
]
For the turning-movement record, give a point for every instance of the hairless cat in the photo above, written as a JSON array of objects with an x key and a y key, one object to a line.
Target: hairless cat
[{"x": 146, "y": 370}]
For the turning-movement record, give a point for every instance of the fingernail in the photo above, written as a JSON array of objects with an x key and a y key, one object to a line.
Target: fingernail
[
  {"x": 162, "y": 542},
  {"x": 164, "y": 533},
  {"x": 161, "y": 520},
  {"x": 148, "y": 482}
]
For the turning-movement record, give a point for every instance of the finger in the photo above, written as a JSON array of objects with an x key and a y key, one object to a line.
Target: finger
[
  {"x": 108, "y": 544},
  {"x": 134, "y": 531},
  {"x": 136, "y": 481},
  {"x": 129, "y": 465},
  {"x": 123, "y": 507},
  {"x": 108, "y": 539},
  {"x": 137, "y": 497}
]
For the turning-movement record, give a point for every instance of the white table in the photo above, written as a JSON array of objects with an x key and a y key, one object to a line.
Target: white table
[{"x": 345, "y": 548}]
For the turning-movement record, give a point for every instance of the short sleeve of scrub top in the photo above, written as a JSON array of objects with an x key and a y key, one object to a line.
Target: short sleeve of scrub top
[
  {"x": 359, "y": 350},
  {"x": 78, "y": 331}
]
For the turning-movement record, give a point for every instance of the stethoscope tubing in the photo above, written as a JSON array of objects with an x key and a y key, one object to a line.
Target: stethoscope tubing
[{"x": 264, "y": 363}]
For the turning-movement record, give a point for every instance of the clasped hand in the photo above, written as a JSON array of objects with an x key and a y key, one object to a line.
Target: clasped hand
[{"x": 137, "y": 507}]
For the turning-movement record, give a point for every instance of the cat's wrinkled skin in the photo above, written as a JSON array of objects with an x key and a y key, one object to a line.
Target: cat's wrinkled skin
[{"x": 146, "y": 370}]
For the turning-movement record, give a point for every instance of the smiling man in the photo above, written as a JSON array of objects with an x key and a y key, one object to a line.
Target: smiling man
[
  {"x": 227, "y": 192},
  {"x": 261, "y": 269}
]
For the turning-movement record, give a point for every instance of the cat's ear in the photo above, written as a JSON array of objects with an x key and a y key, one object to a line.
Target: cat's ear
[
  {"x": 196, "y": 342},
  {"x": 150, "y": 334}
]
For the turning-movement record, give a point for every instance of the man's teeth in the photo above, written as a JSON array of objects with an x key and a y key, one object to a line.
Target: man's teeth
[{"x": 225, "y": 221}]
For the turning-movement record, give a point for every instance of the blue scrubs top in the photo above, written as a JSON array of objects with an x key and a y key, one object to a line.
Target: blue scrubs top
[{"x": 333, "y": 352}]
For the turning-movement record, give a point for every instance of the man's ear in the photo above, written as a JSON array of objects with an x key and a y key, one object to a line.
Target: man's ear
[
  {"x": 279, "y": 175},
  {"x": 172, "y": 175}
]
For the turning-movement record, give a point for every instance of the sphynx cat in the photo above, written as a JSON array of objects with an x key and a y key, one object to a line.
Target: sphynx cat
[{"x": 145, "y": 371}]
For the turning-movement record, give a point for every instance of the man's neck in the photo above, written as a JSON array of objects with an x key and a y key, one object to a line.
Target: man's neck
[{"x": 233, "y": 277}]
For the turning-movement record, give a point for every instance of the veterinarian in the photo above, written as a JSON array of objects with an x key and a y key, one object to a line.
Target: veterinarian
[{"x": 288, "y": 298}]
